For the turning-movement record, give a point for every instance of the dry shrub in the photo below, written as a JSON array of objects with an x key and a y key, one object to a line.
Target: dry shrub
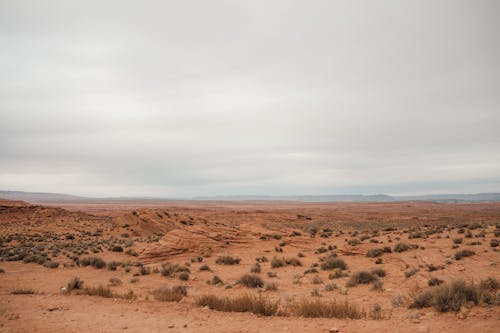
[
  {"x": 174, "y": 294},
  {"x": 402, "y": 247},
  {"x": 251, "y": 281},
  {"x": 106, "y": 292},
  {"x": 463, "y": 253},
  {"x": 451, "y": 296},
  {"x": 276, "y": 262},
  {"x": 244, "y": 303},
  {"x": 227, "y": 260},
  {"x": 96, "y": 262},
  {"x": 98, "y": 291},
  {"x": 318, "y": 308},
  {"x": 74, "y": 284},
  {"x": 333, "y": 263},
  {"x": 23, "y": 291},
  {"x": 362, "y": 277},
  {"x": 372, "y": 253}
]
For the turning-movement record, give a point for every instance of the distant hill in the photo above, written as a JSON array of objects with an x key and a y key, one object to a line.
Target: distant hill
[
  {"x": 41, "y": 197},
  {"x": 304, "y": 198}
]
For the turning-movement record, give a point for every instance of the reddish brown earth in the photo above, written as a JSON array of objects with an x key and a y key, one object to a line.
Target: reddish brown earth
[{"x": 152, "y": 233}]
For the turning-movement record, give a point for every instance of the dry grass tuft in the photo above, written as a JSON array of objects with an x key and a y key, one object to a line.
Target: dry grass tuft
[
  {"x": 174, "y": 294},
  {"x": 318, "y": 308},
  {"x": 245, "y": 303}
]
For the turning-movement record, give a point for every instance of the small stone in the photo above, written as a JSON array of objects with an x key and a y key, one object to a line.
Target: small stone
[
  {"x": 462, "y": 315},
  {"x": 334, "y": 330}
]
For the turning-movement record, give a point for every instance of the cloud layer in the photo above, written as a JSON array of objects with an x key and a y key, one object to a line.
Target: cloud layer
[{"x": 187, "y": 98}]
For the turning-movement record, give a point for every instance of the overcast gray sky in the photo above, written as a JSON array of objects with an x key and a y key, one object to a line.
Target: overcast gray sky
[{"x": 187, "y": 98}]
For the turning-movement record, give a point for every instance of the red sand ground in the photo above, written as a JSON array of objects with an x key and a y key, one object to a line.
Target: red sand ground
[{"x": 180, "y": 231}]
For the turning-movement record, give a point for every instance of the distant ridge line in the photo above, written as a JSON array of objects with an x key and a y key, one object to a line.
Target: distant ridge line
[{"x": 44, "y": 197}]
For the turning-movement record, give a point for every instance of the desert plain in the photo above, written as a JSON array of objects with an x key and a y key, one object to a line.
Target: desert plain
[{"x": 209, "y": 266}]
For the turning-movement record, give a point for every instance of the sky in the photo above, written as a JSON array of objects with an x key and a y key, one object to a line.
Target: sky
[{"x": 199, "y": 98}]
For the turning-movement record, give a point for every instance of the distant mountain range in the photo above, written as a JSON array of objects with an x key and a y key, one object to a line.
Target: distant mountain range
[{"x": 41, "y": 197}]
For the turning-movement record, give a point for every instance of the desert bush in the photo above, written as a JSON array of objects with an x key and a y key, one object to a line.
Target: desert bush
[
  {"x": 316, "y": 280},
  {"x": 116, "y": 248},
  {"x": 333, "y": 263},
  {"x": 362, "y": 277},
  {"x": 330, "y": 286},
  {"x": 397, "y": 301},
  {"x": 315, "y": 293},
  {"x": 51, "y": 264},
  {"x": 216, "y": 280},
  {"x": 227, "y": 260},
  {"x": 98, "y": 291},
  {"x": 463, "y": 253},
  {"x": 375, "y": 312},
  {"x": 434, "y": 282},
  {"x": 143, "y": 270},
  {"x": 453, "y": 295},
  {"x": 380, "y": 272},
  {"x": 174, "y": 294},
  {"x": 169, "y": 270},
  {"x": 353, "y": 242},
  {"x": 411, "y": 272},
  {"x": 377, "y": 285},
  {"x": 251, "y": 281},
  {"x": 205, "y": 268},
  {"x": 74, "y": 284},
  {"x": 112, "y": 265},
  {"x": 457, "y": 240},
  {"x": 402, "y": 247},
  {"x": 184, "y": 276},
  {"x": 372, "y": 253},
  {"x": 23, "y": 291},
  {"x": 114, "y": 281},
  {"x": 311, "y": 270},
  {"x": 95, "y": 262},
  {"x": 337, "y": 274},
  {"x": 494, "y": 242},
  {"x": 260, "y": 304},
  {"x": 271, "y": 274},
  {"x": 421, "y": 300},
  {"x": 276, "y": 263},
  {"x": 255, "y": 268},
  {"x": 318, "y": 308},
  {"x": 293, "y": 261},
  {"x": 271, "y": 286}
]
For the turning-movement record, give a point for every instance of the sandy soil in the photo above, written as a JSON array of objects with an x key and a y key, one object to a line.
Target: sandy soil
[{"x": 181, "y": 232}]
